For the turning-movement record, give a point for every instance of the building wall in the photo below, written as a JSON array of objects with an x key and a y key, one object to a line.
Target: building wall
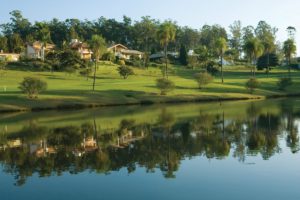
[{"x": 31, "y": 53}]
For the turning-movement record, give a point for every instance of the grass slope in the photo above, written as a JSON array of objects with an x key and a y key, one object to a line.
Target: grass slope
[{"x": 111, "y": 89}]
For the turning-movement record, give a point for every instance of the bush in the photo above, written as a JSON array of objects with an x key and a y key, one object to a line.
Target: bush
[
  {"x": 3, "y": 64},
  {"x": 109, "y": 56},
  {"x": 125, "y": 71},
  {"x": 203, "y": 79},
  {"x": 212, "y": 68},
  {"x": 165, "y": 85},
  {"x": 283, "y": 83},
  {"x": 121, "y": 62},
  {"x": 252, "y": 84},
  {"x": 32, "y": 86}
]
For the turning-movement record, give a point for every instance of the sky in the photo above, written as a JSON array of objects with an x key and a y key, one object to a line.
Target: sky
[{"x": 193, "y": 13}]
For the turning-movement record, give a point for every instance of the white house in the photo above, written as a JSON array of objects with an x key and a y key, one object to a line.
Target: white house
[
  {"x": 123, "y": 52},
  {"x": 36, "y": 50}
]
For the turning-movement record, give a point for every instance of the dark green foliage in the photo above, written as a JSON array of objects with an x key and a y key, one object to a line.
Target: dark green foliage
[
  {"x": 203, "y": 79},
  {"x": 3, "y": 64},
  {"x": 3, "y": 43},
  {"x": 32, "y": 86},
  {"x": 262, "y": 62},
  {"x": 212, "y": 67},
  {"x": 109, "y": 56},
  {"x": 183, "y": 57},
  {"x": 165, "y": 85},
  {"x": 285, "y": 82},
  {"x": 70, "y": 59},
  {"x": 31, "y": 64},
  {"x": 62, "y": 60},
  {"x": 125, "y": 71},
  {"x": 252, "y": 84}
]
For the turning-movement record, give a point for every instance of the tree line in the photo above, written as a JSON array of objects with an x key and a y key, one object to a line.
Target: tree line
[{"x": 152, "y": 35}]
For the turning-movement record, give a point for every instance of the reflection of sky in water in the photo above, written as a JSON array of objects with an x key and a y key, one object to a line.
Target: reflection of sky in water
[{"x": 198, "y": 178}]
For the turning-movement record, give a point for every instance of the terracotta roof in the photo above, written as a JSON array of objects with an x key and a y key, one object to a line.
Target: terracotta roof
[
  {"x": 38, "y": 45},
  {"x": 76, "y": 45}
]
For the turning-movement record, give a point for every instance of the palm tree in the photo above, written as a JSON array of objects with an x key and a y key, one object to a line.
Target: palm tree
[
  {"x": 98, "y": 46},
  {"x": 253, "y": 48},
  {"x": 44, "y": 36},
  {"x": 221, "y": 46},
  {"x": 166, "y": 34},
  {"x": 289, "y": 49}
]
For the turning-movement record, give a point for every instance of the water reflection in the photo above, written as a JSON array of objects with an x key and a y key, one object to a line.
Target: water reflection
[{"x": 159, "y": 144}]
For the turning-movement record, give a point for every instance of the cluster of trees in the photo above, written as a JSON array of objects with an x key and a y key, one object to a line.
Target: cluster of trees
[
  {"x": 151, "y": 35},
  {"x": 209, "y": 135}
]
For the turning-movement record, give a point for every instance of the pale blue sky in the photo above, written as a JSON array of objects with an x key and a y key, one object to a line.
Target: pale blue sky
[{"x": 194, "y": 13}]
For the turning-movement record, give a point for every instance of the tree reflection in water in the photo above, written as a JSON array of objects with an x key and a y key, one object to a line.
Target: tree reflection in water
[{"x": 159, "y": 145}]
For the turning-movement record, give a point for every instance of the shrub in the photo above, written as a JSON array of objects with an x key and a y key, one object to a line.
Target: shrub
[
  {"x": 164, "y": 85},
  {"x": 121, "y": 62},
  {"x": 212, "y": 68},
  {"x": 252, "y": 84},
  {"x": 283, "y": 83},
  {"x": 3, "y": 64},
  {"x": 203, "y": 79},
  {"x": 32, "y": 86},
  {"x": 125, "y": 71}
]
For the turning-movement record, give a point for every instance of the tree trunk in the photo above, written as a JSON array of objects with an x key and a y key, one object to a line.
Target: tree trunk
[
  {"x": 222, "y": 69},
  {"x": 268, "y": 64},
  {"x": 289, "y": 66},
  {"x": 166, "y": 60},
  {"x": 43, "y": 53},
  {"x": 94, "y": 81},
  {"x": 254, "y": 67}
]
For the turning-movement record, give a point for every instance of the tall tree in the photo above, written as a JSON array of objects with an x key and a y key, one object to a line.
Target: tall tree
[
  {"x": 253, "y": 49},
  {"x": 145, "y": 32},
  {"x": 166, "y": 34},
  {"x": 183, "y": 57},
  {"x": 18, "y": 25},
  {"x": 291, "y": 32},
  {"x": 3, "y": 43},
  {"x": 236, "y": 38},
  {"x": 43, "y": 35},
  {"x": 15, "y": 43},
  {"x": 221, "y": 45},
  {"x": 98, "y": 46},
  {"x": 289, "y": 48},
  {"x": 209, "y": 36}
]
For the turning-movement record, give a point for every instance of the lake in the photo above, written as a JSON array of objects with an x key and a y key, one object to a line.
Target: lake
[{"x": 228, "y": 150}]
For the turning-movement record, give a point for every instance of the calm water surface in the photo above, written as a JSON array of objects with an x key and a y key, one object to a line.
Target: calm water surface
[{"x": 233, "y": 150}]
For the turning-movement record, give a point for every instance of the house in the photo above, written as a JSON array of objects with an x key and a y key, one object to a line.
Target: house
[
  {"x": 123, "y": 52},
  {"x": 36, "y": 50},
  {"x": 82, "y": 48},
  {"x": 10, "y": 57}
]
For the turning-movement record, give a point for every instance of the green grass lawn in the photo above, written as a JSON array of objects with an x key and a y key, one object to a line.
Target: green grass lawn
[{"x": 111, "y": 89}]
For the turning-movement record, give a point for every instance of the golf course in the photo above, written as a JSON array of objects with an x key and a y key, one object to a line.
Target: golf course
[{"x": 71, "y": 90}]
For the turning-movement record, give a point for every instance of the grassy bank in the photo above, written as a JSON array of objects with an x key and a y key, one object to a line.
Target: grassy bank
[{"x": 74, "y": 91}]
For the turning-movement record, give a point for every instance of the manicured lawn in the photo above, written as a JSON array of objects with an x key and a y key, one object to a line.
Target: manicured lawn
[{"x": 112, "y": 89}]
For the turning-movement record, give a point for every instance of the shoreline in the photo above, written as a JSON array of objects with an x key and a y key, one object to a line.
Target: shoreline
[{"x": 81, "y": 106}]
